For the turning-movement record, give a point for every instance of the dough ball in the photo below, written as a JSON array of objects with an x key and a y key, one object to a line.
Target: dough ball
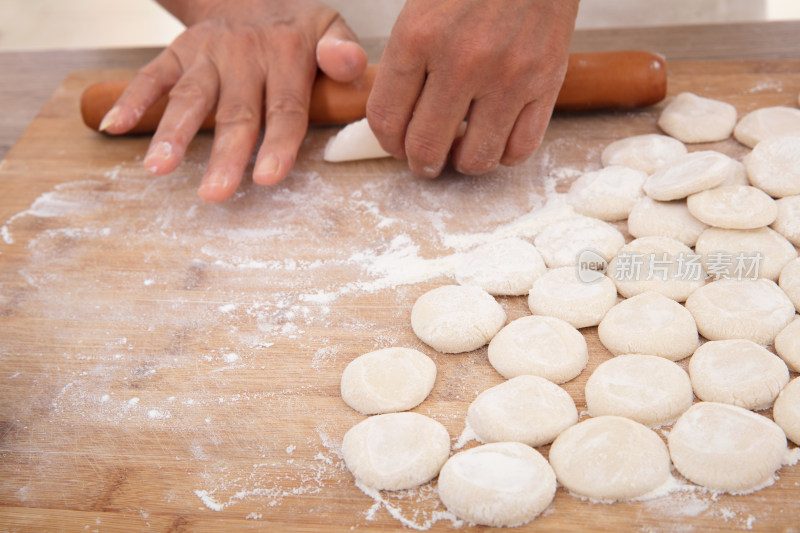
[
  {"x": 659, "y": 264},
  {"x": 767, "y": 122},
  {"x": 695, "y": 119},
  {"x": 541, "y": 346},
  {"x": 647, "y": 152},
  {"x": 396, "y": 451},
  {"x": 526, "y": 409},
  {"x": 739, "y": 372},
  {"x": 650, "y": 218},
  {"x": 789, "y": 281},
  {"x": 649, "y": 323},
  {"x": 648, "y": 389},
  {"x": 787, "y": 344},
  {"x": 733, "y": 207},
  {"x": 561, "y": 293},
  {"x": 499, "y": 484},
  {"x": 388, "y": 380},
  {"x": 505, "y": 267},
  {"x": 561, "y": 243},
  {"x": 726, "y": 448},
  {"x": 773, "y": 166},
  {"x": 787, "y": 222},
  {"x": 744, "y": 253},
  {"x": 354, "y": 142},
  {"x": 786, "y": 411},
  {"x": 689, "y": 174},
  {"x": 738, "y": 177},
  {"x": 610, "y": 458},
  {"x": 456, "y": 318},
  {"x": 740, "y": 309},
  {"x": 608, "y": 194}
]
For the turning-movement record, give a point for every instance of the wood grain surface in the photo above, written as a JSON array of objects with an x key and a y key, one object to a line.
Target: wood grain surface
[{"x": 170, "y": 365}]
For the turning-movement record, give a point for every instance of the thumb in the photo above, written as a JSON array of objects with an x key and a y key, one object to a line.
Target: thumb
[{"x": 338, "y": 53}]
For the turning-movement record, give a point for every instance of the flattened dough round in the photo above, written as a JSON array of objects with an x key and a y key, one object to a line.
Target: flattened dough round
[
  {"x": 767, "y": 122},
  {"x": 396, "y": 451},
  {"x": 789, "y": 281},
  {"x": 498, "y": 484},
  {"x": 739, "y": 372},
  {"x": 787, "y": 222},
  {"x": 456, "y": 318},
  {"x": 647, "y": 152},
  {"x": 562, "y": 294},
  {"x": 354, "y": 142},
  {"x": 562, "y": 242},
  {"x": 744, "y": 253},
  {"x": 526, "y": 409},
  {"x": 773, "y": 166},
  {"x": 658, "y": 264},
  {"x": 651, "y": 218},
  {"x": 733, "y": 207},
  {"x": 689, "y": 174},
  {"x": 505, "y": 267},
  {"x": 610, "y": 458},
  {"x": 645, "y": 388},
  {"x": 695, "y": 119},
  {"x": 608, "y": 194},
  {"x": 787, "y": 344},
  {"x": 387, "y": 380},
  {"x": 726, "y": 448},
  {"x": 542, "y": 346},
  {"x": 786, "y": 411},
  {"x": 740, "y": 309},
  {"x": 649, "y": 323}
]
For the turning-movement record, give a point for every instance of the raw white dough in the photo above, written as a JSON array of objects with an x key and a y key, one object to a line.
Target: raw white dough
[
  {"x": 774, "y": 165},
  {"x": 740, "y": 309},
  {"x": 354, "y": 142},
  {"x": 786, "y": 411},
  {"x": 733, "y": 207},
  {"x": 789, "y": 281},
  {"x": 608, "y": 194},
  {"x": 689, "y": 174},
  {"x": 787, "y": 223},
  {"x": 645, "y": 388},
  {"x": 657, "y": 264},
  {"x": 647, "y": 152},
  {"x": 505, "y": 267},
  {"x": 787, "y": 344},
  {"x": 738, "y": 177},
  {"x": 396, "y": 451},
  {"x": 767, "y": 122},
  {"x": 695, "y": 119},
  {"x": 739, "y": 372},
  {"x": 456, "y": 318},
  {"x": 649, "y": 323},
  {"x": 726, "y": 448},
  {"x": 526, "y": 409},
  {"x": 561, "y": 293},
  {"x": 541, "y": 346},
  {"x": 388, "y": 380},
  {"x": 650, "y": 218},
  {"x": 730, "y": 253},
  {"x": 499, "y": 484},
  {"x": 561, "y": 243},
  {"x": 610, "y": 458}
]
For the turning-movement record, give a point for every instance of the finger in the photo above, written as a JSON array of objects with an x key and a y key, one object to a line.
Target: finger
[
  {"x": 437, "y": 117},
  {"x": 489, "y": 124},
  {"x": 338, "y": 53},
  {"x": 528, "y": 132},
  {"x": 238, "y": 121},
  {"x": 190, "y": 100},
  {"x": 151, "y": 83},
  {"x": 288, "y": 96}
]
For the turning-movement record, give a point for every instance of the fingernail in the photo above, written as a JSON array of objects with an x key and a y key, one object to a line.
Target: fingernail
[
  {"x": 267, "y": 169},
  {"x": 157, "y": 153},
  {"x": 109, "y": 119},
  {"x": 214, "y": 180}
]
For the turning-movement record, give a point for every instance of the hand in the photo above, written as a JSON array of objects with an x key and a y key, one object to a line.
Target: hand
[
  {"x": 249, "y": 58},
  {"x": 499, "y": 65}
]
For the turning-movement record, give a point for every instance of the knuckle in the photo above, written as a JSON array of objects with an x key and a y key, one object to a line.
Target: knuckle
[
  {"x": 187, "y": 90},
  {"x": 426, "y": 150},
  {"x": 383, "y": 121},
  {"x": 237, "y": 113},
  {"x": 287, "y": 104}
]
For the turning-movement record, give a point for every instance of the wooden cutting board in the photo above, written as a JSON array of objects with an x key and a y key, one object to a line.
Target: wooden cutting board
[{"x": 174, "y": 365}]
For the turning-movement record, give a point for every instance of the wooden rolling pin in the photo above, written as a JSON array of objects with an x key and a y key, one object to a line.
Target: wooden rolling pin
[{"x": 594, "y": 81}]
